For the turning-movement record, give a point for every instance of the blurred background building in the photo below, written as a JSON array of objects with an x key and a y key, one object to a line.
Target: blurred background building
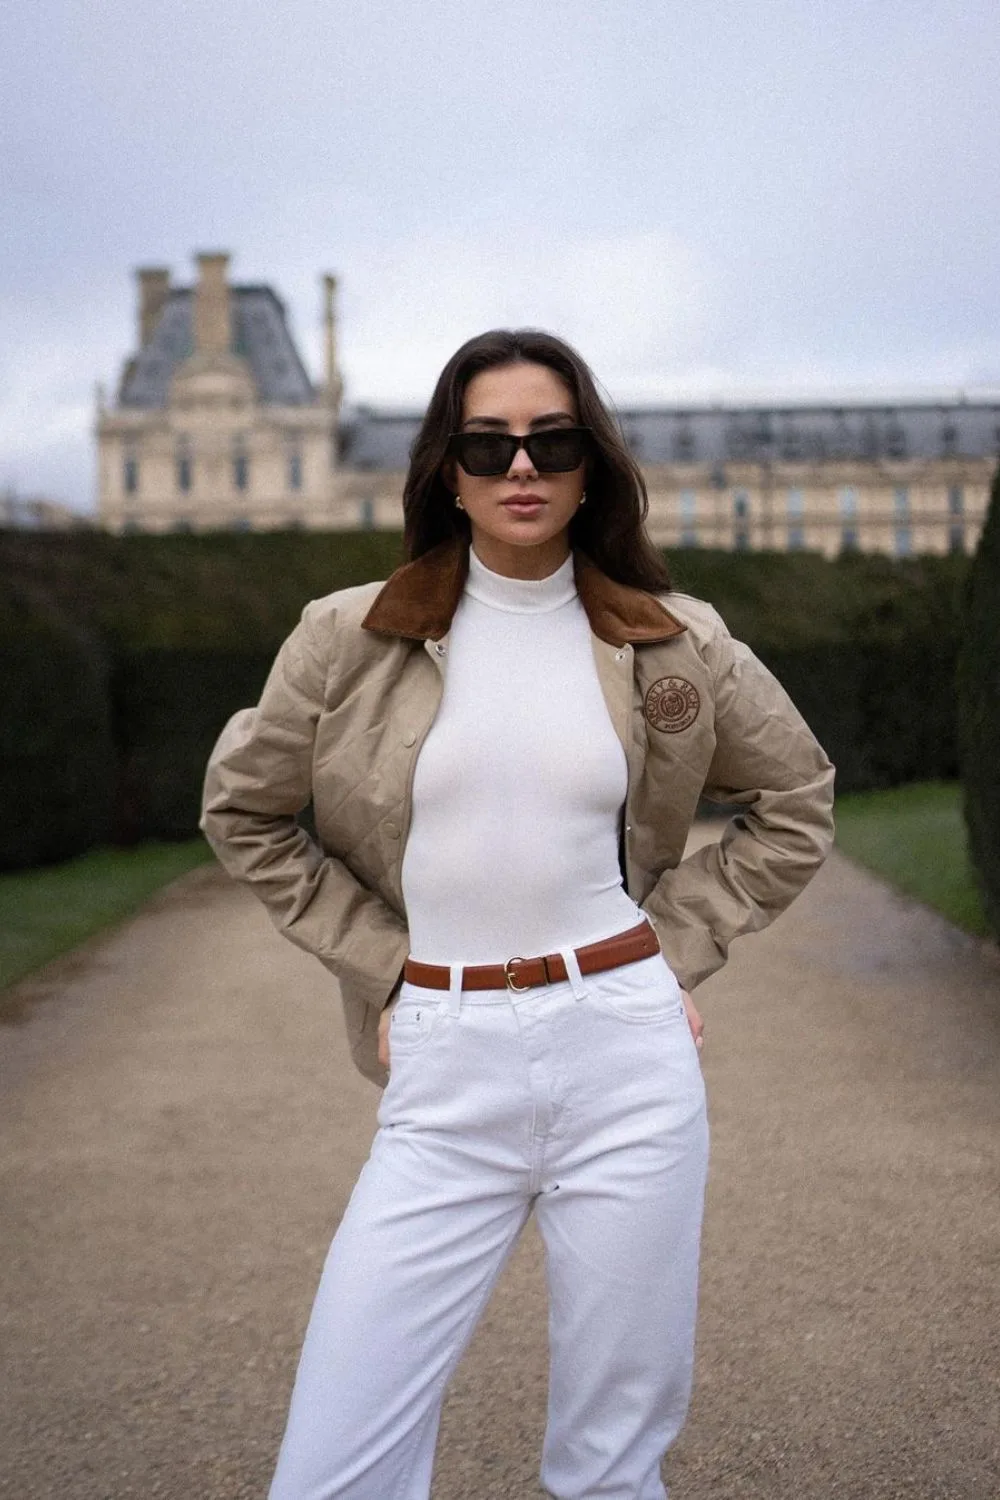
[
  {"x": 38, "y": 513},
  {"x": 216, "y": 424}
]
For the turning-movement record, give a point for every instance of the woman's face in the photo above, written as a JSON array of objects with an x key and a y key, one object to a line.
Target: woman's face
[{"x": 520, "y": 519}]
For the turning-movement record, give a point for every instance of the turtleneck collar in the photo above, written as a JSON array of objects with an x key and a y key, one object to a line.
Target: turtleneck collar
[
  {"x": 520, "y": 596},
  {"x": 419, "y": 601}
]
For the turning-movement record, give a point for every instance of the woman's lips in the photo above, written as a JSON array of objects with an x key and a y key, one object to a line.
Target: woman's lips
[{"x": 523, "y": 505}]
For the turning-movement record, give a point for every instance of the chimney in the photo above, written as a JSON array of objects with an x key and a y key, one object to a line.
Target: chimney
[
  {"x": 212, "y": 332},
  {"x": 334, "y": 385},
  {"x": 154, "y": 289}
]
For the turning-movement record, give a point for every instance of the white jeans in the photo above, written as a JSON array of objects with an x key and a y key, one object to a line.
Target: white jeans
[{"x": 583, "y": 1101}]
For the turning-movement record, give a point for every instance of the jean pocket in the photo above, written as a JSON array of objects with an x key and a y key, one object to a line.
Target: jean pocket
[
  {"x": 413, "y": 1020},
  {"x": 644, "y": 993}
]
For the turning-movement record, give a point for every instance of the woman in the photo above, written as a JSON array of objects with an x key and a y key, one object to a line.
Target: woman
[{"x": 505, "y": 745}]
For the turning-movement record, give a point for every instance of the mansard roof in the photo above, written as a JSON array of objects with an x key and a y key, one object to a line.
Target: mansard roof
[
  {"x": 260, "y": 335},
  {"x": 722, "y": 433}
]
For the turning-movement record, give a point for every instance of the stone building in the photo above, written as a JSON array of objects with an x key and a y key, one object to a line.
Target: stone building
[
  {"x": 878, "y": 476},
  {"x": 217, "y": 425}
]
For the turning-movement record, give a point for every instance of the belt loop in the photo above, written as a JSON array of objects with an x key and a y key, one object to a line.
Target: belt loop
[
  {"x": 571, "y": 961},
  {"x": 453, "y": 1004}
]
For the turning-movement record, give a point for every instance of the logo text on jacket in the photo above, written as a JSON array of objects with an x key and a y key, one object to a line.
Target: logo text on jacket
[{"x": 672, "y": 704}]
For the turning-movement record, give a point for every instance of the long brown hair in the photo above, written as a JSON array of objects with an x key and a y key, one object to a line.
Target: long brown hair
[{"x": 609, "y": 528}]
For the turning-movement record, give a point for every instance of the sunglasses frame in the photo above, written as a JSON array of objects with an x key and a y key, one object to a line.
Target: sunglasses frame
[{"x": 514, "y": 444}]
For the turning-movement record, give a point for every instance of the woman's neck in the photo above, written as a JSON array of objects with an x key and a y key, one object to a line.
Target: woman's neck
[{"x": 539, "y": 560}]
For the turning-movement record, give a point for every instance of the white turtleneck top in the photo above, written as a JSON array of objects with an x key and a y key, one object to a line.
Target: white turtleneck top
[{"x": 519, "y": 785}]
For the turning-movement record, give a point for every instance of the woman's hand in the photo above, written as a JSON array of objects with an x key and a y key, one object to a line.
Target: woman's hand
[
  {"x": 383, "y": 1032},
  {"x": 695, "y": 1022}
]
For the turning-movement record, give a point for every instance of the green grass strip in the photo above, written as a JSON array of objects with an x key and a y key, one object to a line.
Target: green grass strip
[
  {"x": 46, "y": 911},
  {"x": 914, "y": 837}
]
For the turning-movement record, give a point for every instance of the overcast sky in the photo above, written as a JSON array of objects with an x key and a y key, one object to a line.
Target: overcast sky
[{"x": 706, "y": 196}]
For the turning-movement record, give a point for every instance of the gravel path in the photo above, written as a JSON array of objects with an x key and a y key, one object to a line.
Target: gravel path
[{"x": 181, "y": 1128}]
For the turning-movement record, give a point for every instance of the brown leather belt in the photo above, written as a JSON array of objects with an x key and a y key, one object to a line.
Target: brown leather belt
[{"x": 525, "y": 973}]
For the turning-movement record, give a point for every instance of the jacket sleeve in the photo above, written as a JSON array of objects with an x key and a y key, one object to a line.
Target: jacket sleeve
[
  {"x": 768, "y": 761},
  {"x": 259, "y": 778}
]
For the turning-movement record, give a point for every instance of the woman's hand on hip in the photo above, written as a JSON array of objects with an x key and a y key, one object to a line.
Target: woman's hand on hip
[{"x": 695, "y": 1022}]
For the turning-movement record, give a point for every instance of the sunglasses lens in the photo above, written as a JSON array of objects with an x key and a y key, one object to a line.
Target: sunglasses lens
[
  {"x": 557, "y": 450},
  {"x": 482, "y": 453}
]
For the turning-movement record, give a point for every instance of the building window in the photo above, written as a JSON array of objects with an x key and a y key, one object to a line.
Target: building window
[
  {"x": 949, "y": 439},
  {"x": 741, "y": 539},
  {"x": 182, "y": 523},
  {"x": 796, "y": 503},
  {"x": 796, "y": 539},
  {"x": 689, "y": 513},
  {"x": 956, "y": 500},
  {"x": 240, "y": 523},
  {"x": 848, "y": 539},
  {"x": 956, "y": 538},
  {"x": 185, "y": 468},
  {"x": 763, "y": 433},
  {"x": 366, "y": 513},
  {"x": 684, "y": 446},
  {"x": 841, "y": 441},
  {"x": 741, "y": 505},
  {"x": 904, "y": 541},
  {"x": 895, "y": 439},
  {"x": 294, "y": 469},
  {"x": 847, "y": 499},
  {"x": 131, "y": 524},
  {"x": 901, "y": 501},
  {"x": 130, "y": 474},
  {"x": 241, "y": 468}
]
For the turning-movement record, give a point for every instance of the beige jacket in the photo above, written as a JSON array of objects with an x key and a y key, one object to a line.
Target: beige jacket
[{"x": 352, "y": 694}]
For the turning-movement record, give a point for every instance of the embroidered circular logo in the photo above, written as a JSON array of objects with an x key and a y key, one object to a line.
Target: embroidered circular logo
[{"x": 672, "y": 704}]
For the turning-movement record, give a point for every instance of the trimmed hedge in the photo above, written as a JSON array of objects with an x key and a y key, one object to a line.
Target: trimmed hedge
[
  {"x": 149, "y": 643},
  {"x": 866, "y": 647},
  {"x": 979, "y": 709},
  {"x": 57, "y": 754},
  {"x": 170, "y": 706}
]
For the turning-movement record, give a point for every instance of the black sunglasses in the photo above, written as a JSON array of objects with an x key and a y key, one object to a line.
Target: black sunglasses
[{"x": 553, "y": 450}]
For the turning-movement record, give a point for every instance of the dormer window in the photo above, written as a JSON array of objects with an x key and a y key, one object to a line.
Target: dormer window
[
  {"x": 684, "y": 446},
  {"x": 895, "y": 439}
]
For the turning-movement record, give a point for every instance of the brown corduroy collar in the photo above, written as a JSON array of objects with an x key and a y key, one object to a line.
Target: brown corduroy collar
[{"x": 419, "y": 601}]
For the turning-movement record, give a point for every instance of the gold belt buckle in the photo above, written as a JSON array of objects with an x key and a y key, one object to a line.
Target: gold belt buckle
[{"x": 518, "y": 989}]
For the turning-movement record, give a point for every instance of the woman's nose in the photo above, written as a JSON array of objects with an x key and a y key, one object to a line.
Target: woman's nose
[{"x": 521, "y": 465}]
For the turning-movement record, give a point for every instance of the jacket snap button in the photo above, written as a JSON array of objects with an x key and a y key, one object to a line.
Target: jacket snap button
[
  {"x": 439, "y": 649},
  {"x": 409, "y": 738}
]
